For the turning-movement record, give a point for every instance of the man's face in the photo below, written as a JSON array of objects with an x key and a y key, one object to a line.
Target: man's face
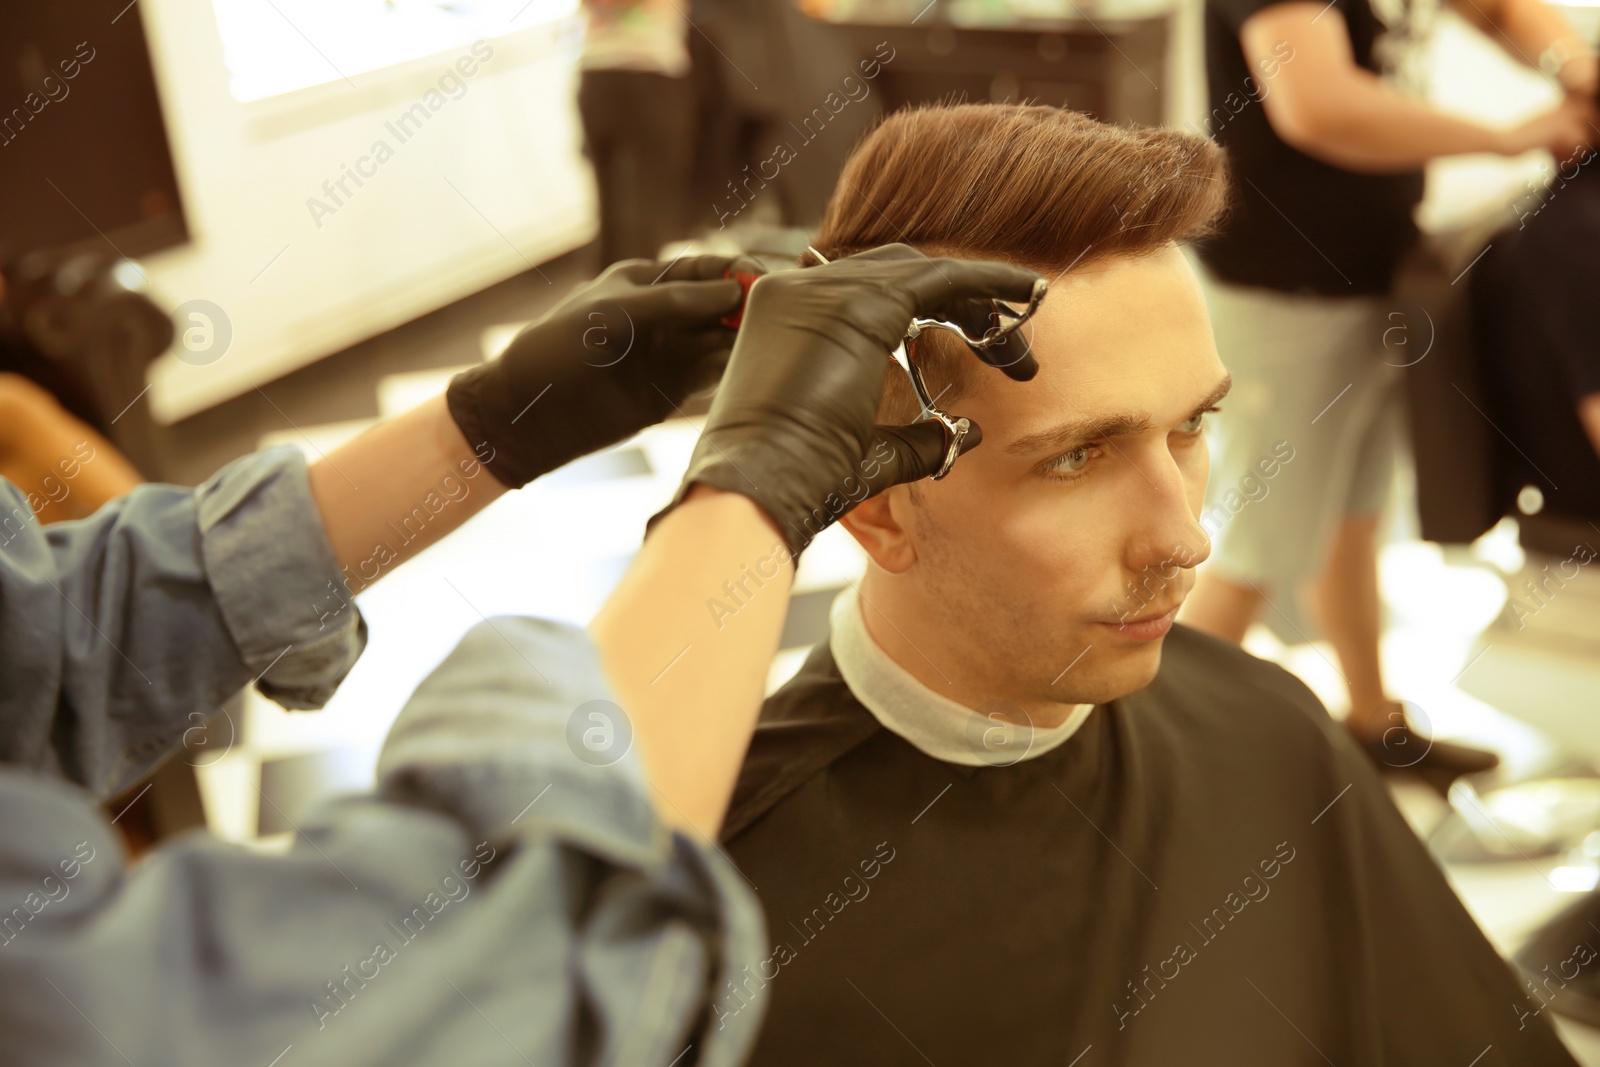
[{"x": 1035, "y": 564}]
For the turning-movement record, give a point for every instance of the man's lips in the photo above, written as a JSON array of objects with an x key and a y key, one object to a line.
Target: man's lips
[
  {"x": 1148, "y": 626},
  {"x": 1147, "y": 616}
]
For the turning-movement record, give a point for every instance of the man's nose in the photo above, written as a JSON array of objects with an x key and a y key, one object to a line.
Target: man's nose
[{"x": 1167, "y": 532}]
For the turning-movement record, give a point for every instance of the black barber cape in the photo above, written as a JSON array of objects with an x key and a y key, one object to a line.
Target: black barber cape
[{"x": 1208, "y": 872}]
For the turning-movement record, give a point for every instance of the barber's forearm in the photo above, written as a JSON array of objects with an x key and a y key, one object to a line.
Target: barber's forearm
[
  {"x": 397, "y": 489},
  {"x": 691, "y": 679},
  {"x": 1372, "y": 128}
]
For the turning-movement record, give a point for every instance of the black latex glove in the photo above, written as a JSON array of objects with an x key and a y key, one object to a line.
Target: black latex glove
[
  {"x": 792, "y": 426},
  {"x": 617, "y": 355}
]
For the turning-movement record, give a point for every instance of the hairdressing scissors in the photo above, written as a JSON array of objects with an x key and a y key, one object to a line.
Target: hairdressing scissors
[{"x": 1003, "y": 320}]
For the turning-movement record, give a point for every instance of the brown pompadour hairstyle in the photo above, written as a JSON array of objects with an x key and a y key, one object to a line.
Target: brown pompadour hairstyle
[{"x": 1043, "y": 187}]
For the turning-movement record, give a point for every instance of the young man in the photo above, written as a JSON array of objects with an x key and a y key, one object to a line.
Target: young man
[
  {"x": 1010, "y": 813},
  {"x": 1319, "y": 105}
]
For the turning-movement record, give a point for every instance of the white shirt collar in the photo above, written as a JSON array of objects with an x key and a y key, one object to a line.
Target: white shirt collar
[{"x": 934, "y": 724}]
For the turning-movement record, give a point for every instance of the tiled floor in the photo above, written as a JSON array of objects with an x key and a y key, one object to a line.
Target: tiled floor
[{"x": 1451, "y": 645}]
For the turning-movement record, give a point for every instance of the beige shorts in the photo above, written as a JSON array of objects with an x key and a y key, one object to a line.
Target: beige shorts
[{"x": 1310, "y": 433}]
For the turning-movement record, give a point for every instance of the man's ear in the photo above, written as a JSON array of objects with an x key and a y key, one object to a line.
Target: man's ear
[{"x": 875, "y": 524}]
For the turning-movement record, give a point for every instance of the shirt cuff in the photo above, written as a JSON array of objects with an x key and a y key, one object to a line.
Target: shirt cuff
[{"x": 275, "y": 578}]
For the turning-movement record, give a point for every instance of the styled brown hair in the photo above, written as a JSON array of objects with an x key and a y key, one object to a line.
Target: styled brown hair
[{"x": 1043, "y": 187}]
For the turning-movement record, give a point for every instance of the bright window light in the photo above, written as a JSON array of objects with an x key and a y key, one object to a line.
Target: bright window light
[
  {"x": 1575, "y": 879},
  {"x": 280, "y": 47}
]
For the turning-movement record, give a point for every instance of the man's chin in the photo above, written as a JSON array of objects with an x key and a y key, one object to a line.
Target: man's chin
[
  {"x": 1121, "y": 672},
  {"x": 1144, "y": 664}
]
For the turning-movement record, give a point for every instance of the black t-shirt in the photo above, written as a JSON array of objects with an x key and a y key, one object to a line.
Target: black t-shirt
[
  {"x": 1296, "y": 223},
  {"x": 1209, "y": 871},
  {"x": 1538, "y": 337}
]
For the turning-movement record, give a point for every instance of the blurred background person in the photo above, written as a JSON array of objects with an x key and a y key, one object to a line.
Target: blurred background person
[
  {"x": 780, "y": 102},
  {"x": 1318, "y": 107},
  {"x": 637, "y": 105},
  {"x": 63, "y": 466},
  {"x": 52, "y": 444}
]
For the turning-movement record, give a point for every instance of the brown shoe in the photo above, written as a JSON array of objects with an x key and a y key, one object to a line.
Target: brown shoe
[{"x": 1400, "y": 748}]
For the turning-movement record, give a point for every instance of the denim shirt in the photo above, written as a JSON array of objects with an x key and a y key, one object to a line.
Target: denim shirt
[{"x": 497, "y": 900}]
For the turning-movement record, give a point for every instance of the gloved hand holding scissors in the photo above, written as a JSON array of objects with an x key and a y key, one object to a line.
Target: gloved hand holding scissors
[{"x": 794, "y": 419}]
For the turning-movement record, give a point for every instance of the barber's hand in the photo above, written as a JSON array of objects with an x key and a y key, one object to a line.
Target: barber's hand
[
  {"x": 618, "y": 355},
  {"x": 1580, "y": 75},
  {"x": 792, "y": 426},
  {"x": 1566, "y": 130}
]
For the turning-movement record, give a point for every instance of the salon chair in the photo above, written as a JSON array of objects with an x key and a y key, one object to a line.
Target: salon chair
[{"x": 1469, "y": 476}]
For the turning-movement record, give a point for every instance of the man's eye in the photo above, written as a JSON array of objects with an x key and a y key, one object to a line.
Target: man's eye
[
  {"x": 1192, "y": 425},
  {"x": 1069, "y": 462}
]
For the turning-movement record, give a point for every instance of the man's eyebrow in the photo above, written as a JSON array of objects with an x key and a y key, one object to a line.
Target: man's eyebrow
[{"x": 1080, "y": 431}]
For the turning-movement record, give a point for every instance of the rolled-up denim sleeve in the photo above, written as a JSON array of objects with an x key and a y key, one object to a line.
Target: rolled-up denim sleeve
[
  {"x": 516, "y": 732},
  {"x": 122, "y": 632},
  {"x": 276, "y": 582},
  {"x": 501, "y": 899}
]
